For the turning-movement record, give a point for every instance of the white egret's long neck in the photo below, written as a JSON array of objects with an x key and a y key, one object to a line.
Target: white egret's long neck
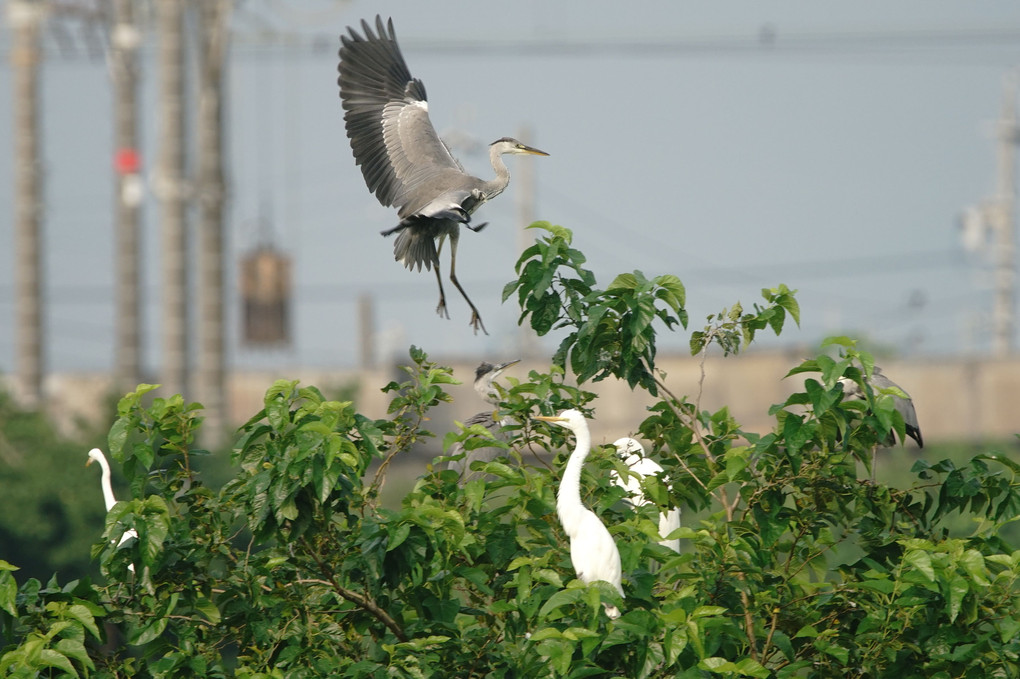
[
  {"x": 494, "y": 187},
  {"x": 107, "y": 486},
  {"x": 568, "y": 499}
]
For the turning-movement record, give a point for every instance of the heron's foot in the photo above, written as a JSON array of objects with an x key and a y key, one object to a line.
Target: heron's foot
[
  {"x": 476, "y": 322},
  {"x": 478, "y": 228},
  {"x": 389, "y": 232},
  {"x": 441, "y": 308}
]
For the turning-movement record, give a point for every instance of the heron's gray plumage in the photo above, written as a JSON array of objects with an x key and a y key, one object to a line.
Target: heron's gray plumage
[
  {"x": 905, "y": 406},
  {"x": 485, "y": 374},
  {"x": 404, "y": 162}
]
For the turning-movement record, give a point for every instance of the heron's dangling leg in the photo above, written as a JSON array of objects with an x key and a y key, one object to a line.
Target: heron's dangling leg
[
  {"x": 441, "y": 307},
  {"x": 476, "y": 319},
  {"x": 478, "y": 228}
]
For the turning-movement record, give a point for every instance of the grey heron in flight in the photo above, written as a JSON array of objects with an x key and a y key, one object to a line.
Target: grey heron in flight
[
  {"x": 485, "y": 375},
  {"x": 404, "y": 162}
]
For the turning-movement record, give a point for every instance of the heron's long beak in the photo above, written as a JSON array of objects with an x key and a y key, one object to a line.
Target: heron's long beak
[
  {"x": 524, "y": 148},
  {"x": 503, "y": 366},
  {"x": 89, "y": 461},
  {"x": 550, "y": 418}
]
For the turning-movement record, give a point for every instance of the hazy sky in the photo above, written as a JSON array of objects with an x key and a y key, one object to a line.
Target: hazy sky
[{"x": 830, "y": 147}]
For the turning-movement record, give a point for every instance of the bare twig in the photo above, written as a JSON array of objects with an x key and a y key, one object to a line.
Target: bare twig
[
  {"x": 363, "y": 602},
  {"x": 357, "y": 599},
  {"x": 722, "y": 497}
]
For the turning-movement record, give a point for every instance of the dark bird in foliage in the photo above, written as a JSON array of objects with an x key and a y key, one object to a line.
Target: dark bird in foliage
[
  {"x": 404, "y": 162},
  {"x": 905, "y": 406},
  {"x": 485, "y": 375}
]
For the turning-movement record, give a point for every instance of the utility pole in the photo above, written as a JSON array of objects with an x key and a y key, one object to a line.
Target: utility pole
[
  {"x": 170, "y": 190},
  {"x": 524, "y": 187},
  {"x": 213, "y": 19},
  {"x": 124, "y": 41},
  {"x": 25, "y": 18},
  {"x": 366, "y": 332},
  {"x": 1003, "y": 224}
]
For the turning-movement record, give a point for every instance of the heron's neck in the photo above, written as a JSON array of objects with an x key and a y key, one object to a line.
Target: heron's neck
[
  {"x": 494, "y": 187},
  {"x": 568, "y": 499},
  {"x": 487, "y": 391}
]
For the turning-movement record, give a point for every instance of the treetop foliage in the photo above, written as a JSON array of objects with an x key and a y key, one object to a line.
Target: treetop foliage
[{"x": 793, "y": 567}]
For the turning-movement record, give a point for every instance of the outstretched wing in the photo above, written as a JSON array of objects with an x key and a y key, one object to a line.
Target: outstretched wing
[{"x": 402, "y": 158}]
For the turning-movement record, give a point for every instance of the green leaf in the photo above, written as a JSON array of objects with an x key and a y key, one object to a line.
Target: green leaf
[
  {"x": 839, "y": 340},
  {"x": 398, "y": 534},
  {"x": 142, "y": 635},
  {"x": 8, "y": 592},
  {"x": 881, "y": 586},
  {"x": 49, "y": 657},
  {"x": 83, "y": 615},
  {"x": 921, "y": 562},
  {"x": 74, "y": 649},
  {"x": 563, "y": 597},
  {"x": 806, "y": 631},
  {"x": 957, "y": 588},
  {"x": 625, "y": 281},
  {"x": 546, "y": 633}
]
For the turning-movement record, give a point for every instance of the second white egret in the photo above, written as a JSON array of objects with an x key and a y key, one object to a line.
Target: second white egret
[{"x": 633, "y": 455}]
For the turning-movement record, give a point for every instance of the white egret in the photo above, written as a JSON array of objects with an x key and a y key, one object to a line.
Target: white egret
[
  {"x": 593, "y": 552},
  {"x": 485, "y": 375},
  {"x": 96, "y": 455},
  {"x": 633, "y": 454}
]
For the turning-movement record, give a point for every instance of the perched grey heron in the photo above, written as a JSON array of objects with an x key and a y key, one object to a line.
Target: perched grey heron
[
  {"x": 905, "y": 406},
  {"x": 485, "y": 375},
  {"x": 404, "y": 162},
  {"x": 633, "y": 455},
  {"x": 593, "y": 552}
]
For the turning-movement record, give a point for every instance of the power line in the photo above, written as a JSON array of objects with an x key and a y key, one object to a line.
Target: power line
[{"x": 768, "y": 40}]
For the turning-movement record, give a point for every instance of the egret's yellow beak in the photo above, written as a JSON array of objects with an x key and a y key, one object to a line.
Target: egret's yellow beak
[{"x": 550, "y": 418}]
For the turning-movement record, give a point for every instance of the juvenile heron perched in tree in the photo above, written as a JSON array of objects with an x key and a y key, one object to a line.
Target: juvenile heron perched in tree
[
  {"x": 593, "y": 552},
  {"x": 485, "y": 374},
  {"x": 633, "y": 455},
  {"x": 405, "y": 163}
]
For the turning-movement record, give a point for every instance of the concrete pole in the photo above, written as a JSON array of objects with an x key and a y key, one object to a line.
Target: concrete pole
[
  {"x": 25, "y": 18},
  {"x": 213, "y": 19},
  {"x": 524, "y": 186},
  {"x": 170, "y": 189},
  {"x": 125, "y": 39},
  {"x": 366, "y": 332},
  {"x": 1005, "y": 230}
]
